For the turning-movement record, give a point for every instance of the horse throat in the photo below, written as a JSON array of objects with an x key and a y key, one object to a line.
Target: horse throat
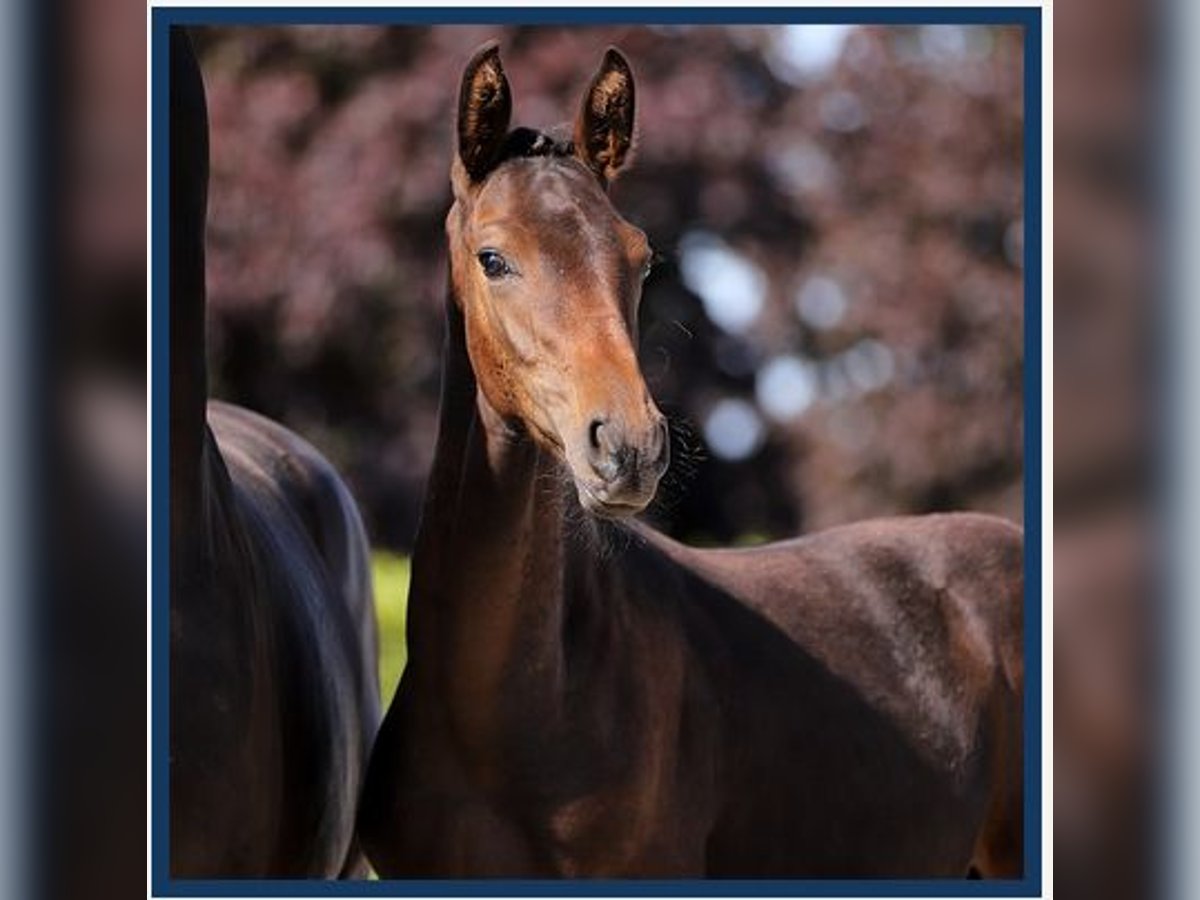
[{"x": 485, "y": 607}]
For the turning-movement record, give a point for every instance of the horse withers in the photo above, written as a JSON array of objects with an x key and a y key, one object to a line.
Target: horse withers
[{"x": 587, "y": 697}]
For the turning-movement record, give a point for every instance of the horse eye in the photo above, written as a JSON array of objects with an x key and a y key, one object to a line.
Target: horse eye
[{"x": 494, "y": 265}]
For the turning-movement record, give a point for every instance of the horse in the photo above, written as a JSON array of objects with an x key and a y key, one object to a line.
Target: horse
[
  {"x": 586, "y": 697},
  {"x": 273, "y": 682}
]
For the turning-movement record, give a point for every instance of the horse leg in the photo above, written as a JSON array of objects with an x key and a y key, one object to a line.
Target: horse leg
[
  {"x": 998, "y": 852},
  {"x": 999, "y": 849},
  {"x": 356, "y": 867}
]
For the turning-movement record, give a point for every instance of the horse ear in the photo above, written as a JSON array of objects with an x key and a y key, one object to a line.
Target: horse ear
[
  {"x": 484, "y": 109},
  {"x": 604, "y": 129}
]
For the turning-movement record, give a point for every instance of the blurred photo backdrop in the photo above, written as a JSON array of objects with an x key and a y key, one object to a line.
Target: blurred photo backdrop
[
  {"x": 878, "y": 167},
  {"x": 1111, "y": 698}
]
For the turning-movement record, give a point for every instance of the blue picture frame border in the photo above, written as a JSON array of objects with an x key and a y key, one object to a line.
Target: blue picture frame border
[{"x": 1028, "y": 17}]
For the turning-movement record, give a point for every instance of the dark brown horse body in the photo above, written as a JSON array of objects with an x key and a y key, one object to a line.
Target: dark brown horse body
[
  {"x": 273, "y": 695},
  {"x": 586, "y": 697}
]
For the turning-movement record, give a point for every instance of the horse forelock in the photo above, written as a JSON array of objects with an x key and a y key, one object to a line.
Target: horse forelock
[{"x": 527, "y": 142}]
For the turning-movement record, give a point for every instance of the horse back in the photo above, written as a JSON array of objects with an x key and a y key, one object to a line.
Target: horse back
[{"x": 900, "y": 603}]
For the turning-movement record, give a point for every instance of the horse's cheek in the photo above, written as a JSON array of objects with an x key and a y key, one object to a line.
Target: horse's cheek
[{"x": 492, "y": 369}]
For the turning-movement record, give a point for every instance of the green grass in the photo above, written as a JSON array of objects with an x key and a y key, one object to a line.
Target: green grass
[{"x": 390, "y": 572}]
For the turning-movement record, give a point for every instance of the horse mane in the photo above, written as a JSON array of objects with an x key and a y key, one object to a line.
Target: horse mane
[{"x": 529, "y": 142}]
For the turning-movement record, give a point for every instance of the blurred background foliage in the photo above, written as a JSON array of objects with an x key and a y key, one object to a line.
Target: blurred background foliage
[
  {"x": 389, "y": 572},
  {"x": 836, "y": 324}
]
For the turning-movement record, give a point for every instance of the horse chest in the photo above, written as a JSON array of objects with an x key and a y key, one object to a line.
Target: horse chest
[
  {"x": 611, "y": 830},
  {"x": 598, "y": 788}
]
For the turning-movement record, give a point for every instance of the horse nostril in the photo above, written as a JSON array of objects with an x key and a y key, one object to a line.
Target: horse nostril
[
  {"x": 600, "y": 449},
  {"x": 607, "y": 452},
  {"x": 594, "y": 434},
  {"x": 663, "y": 457}
]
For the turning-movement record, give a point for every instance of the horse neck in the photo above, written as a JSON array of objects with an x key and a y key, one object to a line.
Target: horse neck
[
  {"x": 490, "y": 558},
  {"x": 188, "y": 201}
]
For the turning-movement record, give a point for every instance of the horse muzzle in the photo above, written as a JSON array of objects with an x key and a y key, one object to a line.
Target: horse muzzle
[{"x": 623, "y": 466}]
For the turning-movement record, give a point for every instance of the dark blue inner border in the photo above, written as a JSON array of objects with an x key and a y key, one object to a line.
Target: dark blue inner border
[{"x": 1029, "y": 17}]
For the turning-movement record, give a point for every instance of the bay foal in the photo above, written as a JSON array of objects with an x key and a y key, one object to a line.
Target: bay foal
[
  {"x": 274, "y": 692},
  {"x": 586, "y": 697}
]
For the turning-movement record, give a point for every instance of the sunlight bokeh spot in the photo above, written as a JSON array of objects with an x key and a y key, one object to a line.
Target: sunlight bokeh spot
[
  {"x": 820, "y": 302},
  {"x": 731, "y": 287},
  {"x": 786, "y": 387},
  {"x": 733, "y": 429},
  {"x": 801, "y": 53}
]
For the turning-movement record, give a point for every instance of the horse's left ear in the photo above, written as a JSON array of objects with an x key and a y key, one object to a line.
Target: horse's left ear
[{"x": 604, "y": 129}]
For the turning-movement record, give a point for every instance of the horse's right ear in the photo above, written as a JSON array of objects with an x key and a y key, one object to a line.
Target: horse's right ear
[{"x": 484, "y": 109}]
